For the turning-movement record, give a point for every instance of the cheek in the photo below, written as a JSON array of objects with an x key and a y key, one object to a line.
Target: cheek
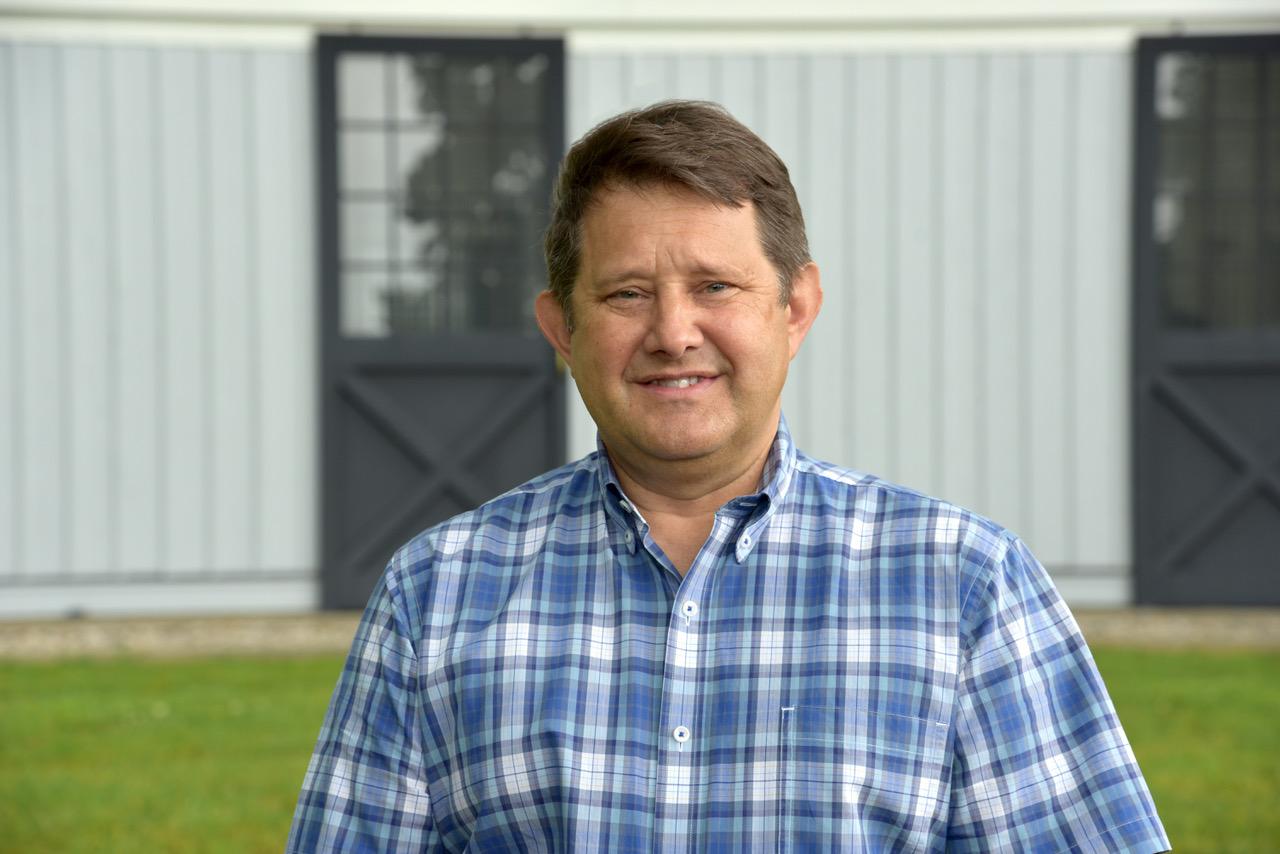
[
  {"x": 618, "y": 339},
  {"x": 754, "y": 346},
  {"x": 600, "y": 359},
  {"x": 762, "y": 359}
]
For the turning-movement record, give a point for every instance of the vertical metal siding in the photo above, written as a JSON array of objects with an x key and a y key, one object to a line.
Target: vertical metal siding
[
  {"x": 10, "y": 300},
  {"x": 40, "y": 312},
  {"x": 156, "y": 373},
  {"x": 288, "y": 482},
  {"x": 1099, "y": 339},
  {"x": 869, "y": 377},
  {"x": 968, "y": 214},
  {"x": 959, "y": 372},
  {"x": 91, "y": 523},
  {"x": 136, "y": 235},
  {"x": 913, "y": 240},
  {"x": 236, "y": 504},
  {"x": 824, "y": 146},
  {"x": 1049, "y": 390},
  {"x": 182, "y": 166},
  {"x": 1004, "y": 283}
]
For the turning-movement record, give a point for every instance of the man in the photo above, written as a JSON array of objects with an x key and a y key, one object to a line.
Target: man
[{"x": 698, "y": 638}]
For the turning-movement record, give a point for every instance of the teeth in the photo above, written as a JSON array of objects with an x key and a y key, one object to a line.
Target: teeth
[{"x": 683, "y": 382}]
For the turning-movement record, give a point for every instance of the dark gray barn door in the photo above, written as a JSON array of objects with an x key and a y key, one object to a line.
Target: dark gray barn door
[
  {"x": 436, "y": 161},
  {"x": 1207, "y": 321}
]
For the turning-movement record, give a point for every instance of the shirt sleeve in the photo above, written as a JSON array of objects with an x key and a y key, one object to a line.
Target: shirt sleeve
[
  {"x": 1041, "y": 763},
  {"x": 365, "y": 788}
]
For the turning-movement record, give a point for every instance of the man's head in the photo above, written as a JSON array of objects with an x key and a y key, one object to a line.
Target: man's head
[
  {"x": 681, "y": 287},
  {"x": 692, "y": 145}
]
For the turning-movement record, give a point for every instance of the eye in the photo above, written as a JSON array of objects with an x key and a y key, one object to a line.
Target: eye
[
  {"x": 717, "y": 287},
  {"x": 625, "y": 294}
]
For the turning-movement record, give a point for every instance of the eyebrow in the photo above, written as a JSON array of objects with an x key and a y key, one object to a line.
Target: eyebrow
[
  {"x": 699, "y": 270},
  {"x": 618, "y": 278}
]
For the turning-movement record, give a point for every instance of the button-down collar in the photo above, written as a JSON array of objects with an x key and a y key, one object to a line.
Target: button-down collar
[{"x": 628, "y": 527}]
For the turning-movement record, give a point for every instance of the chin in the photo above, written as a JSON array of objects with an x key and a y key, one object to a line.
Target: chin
[
  {"x": 682, "y": 448},
  {"x": 675, "y": 455}
]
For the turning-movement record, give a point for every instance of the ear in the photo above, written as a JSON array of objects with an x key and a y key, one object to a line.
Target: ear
[
  {"x": 552, "y": 322},
  {"x": 804, "y": 305}
]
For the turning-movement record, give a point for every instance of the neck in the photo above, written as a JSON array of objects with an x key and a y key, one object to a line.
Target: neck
[
  {"x": 679, "y": 498},
  {"x": 690, "y": 488}
]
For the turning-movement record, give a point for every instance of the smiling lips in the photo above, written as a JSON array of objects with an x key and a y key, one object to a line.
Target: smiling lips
[
  {"x": 683, "y": 382},
  {"x": 677, "y": 382}
]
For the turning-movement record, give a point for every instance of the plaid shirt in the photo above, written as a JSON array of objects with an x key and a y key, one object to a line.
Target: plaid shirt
[{"x": 848, "y": 665}]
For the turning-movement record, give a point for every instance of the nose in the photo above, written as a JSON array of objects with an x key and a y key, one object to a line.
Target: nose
[{"x": 674, "y": 326}]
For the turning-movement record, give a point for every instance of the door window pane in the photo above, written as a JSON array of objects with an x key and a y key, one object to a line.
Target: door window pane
[
  {"x": 419, "y": 86},
  {"x": 422, "y": 245},
  {"x": 364, "y": 160},
  {"x": 464, "y": 201},
  {"x": 362, "y": 87},
  {"x": 1217, "y": 121},
  {"x": 521, "y": 96},
  {"x": 363, "y": 313},
  {"x": 365, "y": 236}
]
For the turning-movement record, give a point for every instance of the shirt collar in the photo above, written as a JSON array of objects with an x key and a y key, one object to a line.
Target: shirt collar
[
  {"x": 758, "y": 507},
  {"x": 780, "y": 465},
  {"x": 626, "y": 525}
]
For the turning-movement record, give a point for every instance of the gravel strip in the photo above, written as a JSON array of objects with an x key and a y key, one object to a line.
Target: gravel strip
[
  {"x": 1183, "y": 628},
  {"x": 313, "y": 634},
  {"x": 330, "y": 633}
]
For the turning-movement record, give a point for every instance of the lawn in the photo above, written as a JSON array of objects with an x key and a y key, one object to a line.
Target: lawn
[
  {"x": 129, "y": 756},
  {"x": 208, "y": 755},
  {"x": 1205, "y": 727}
]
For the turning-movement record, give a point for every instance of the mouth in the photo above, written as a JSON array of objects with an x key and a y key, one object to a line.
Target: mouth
[
  {"x": 677, "y": 382},
  {"x": 675, "y": 386}
]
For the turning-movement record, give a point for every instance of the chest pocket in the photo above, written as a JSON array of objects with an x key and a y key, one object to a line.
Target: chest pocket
[{"x": 854, "y": 781}]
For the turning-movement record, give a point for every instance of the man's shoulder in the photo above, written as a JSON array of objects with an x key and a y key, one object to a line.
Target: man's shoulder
[
  {"x": 899, "y": 516},
  {"x": 511, "y": 519}
]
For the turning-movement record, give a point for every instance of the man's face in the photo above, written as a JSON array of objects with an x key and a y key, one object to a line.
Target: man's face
[{"x": 680, "y": 344}]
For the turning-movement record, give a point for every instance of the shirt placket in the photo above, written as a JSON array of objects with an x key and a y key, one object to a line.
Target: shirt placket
[{"x": 682, "y": 745}]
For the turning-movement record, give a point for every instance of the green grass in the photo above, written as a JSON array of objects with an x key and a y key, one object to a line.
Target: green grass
[
  {"x": 1205, "y": 727},
  {"x": 122, "y": 755},
  {"x": 208, "y": 755}
]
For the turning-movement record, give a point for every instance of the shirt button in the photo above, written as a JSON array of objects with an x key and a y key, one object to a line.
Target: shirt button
[
  {"x": 745, "y": 542},
  {"x": 628, "y": 537},
  {"x": 689, "y": 609},
  {"x": 680, "y": 734}
]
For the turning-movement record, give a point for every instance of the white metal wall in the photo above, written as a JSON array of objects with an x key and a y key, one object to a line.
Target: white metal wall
[
  {"x": 157, "y": 359},
  {"x": 969, "y": 214},
  {"x": 156, "y": 333}
]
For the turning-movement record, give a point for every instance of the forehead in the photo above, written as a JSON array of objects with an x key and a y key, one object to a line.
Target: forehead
[{"x": 661, "y": 226}]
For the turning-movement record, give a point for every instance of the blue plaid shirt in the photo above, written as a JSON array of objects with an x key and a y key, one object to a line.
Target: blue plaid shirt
[{"x": 848, "y": 665}]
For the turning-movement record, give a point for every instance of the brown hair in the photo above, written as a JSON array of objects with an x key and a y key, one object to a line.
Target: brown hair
[{"x": 693, "y": 144}]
